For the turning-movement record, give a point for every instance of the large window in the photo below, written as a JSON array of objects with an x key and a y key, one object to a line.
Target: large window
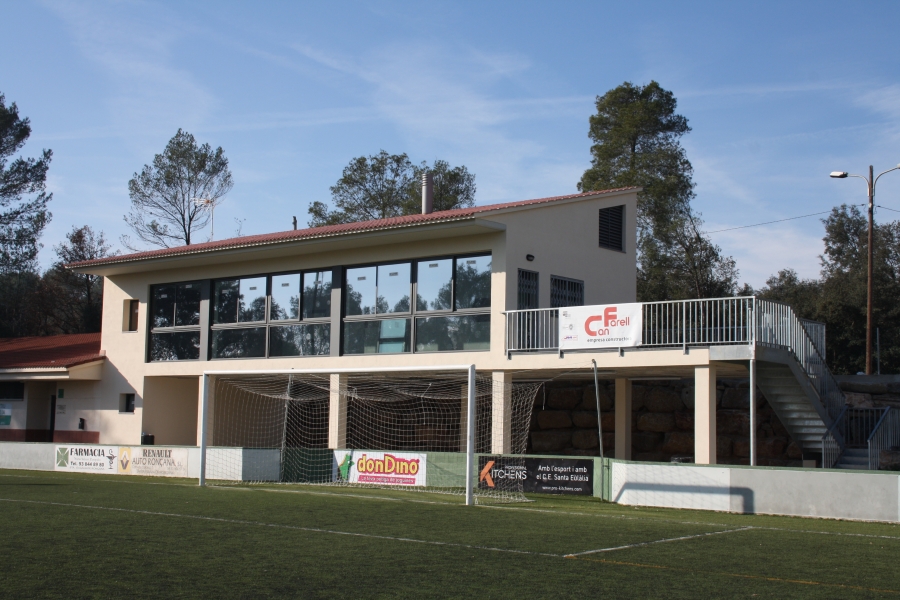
[
  {"x": 175, "y": 321},
  {"x": 278, "y": 315},
  {"x": 451, "y": 309}
]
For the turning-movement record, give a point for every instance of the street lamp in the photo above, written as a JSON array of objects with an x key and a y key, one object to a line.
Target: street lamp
[
  {"x": 211, "y": 205},
  {"x": 870, "y": 184}
]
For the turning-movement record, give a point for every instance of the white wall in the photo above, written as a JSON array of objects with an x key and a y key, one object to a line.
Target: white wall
[{"x": 831, "y": 494}]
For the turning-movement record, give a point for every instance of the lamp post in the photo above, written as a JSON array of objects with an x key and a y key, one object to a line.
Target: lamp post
[
  {"x": 870, "y": 185},
  {"x": 211, "y": 205}
]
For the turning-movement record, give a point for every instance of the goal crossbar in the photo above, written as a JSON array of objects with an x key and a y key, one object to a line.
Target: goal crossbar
[{"x": 470, "y": 407}]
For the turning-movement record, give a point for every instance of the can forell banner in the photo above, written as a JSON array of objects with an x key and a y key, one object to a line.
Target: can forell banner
[{"x": 600, "y": 326}]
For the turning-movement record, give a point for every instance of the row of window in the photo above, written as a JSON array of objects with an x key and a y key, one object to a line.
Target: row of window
[{"x": 291, "y": 314}]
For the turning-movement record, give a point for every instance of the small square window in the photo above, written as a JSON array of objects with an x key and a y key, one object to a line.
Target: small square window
[{"x": 126, "y": 403}]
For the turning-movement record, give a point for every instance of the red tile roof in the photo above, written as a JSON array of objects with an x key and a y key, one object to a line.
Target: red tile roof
[
  {"x": 332, "y": 230},
  {"x": 50, "y": 351}
]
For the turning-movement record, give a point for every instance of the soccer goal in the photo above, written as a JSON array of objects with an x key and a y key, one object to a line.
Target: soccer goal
[{"x": 415, "y": 428}]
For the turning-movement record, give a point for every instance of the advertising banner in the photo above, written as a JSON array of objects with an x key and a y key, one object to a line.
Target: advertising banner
[
  {"x": 600, "y": 326},
  {"x": 87, "y": 459},
  {"x": 382, "y": 468},
  {"x": 537, "y": 475},
  {"x": 156, "y": 462}
]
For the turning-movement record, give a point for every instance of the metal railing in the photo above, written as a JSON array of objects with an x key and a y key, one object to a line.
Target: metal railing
[
  {"x": 532, "y": 330},
  {"x": 885, "y": 436},
  {"x": 831, "y": 446},
  {"x": 745, "y": 320}
]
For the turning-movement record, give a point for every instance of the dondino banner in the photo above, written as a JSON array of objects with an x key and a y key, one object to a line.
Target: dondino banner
[
  {"x": 149, "y": 460},
  {"x": 87, "y": 459},
  {"x": 383, "y": 468},
  {"x": 600, "y": 326}
]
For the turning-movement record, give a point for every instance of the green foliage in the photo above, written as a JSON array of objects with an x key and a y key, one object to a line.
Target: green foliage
[
  {"x": 163, "y": 211},
  {"x": 838, "y": 298},
  {"x": 23, "y": 195},
  {"x": 385, "y": 185},
  {"x": 636, "y": 134}
]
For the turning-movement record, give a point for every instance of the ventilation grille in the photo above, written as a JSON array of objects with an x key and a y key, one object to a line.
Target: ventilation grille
[
  {"x": 528, "y": 290},
  {"x": 566, "y": 292},
  {"x": 612, "y": 230}
]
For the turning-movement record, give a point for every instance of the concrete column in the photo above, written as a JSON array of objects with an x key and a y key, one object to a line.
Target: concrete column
[
  {"x": 463, "y": 417},
  {"x": 501, "y": 412},
  {"x": 337, "y": 412},
  {"x": 623, "y": 419},
  {"x": 209, "y": 409},
  {"x": 705, "y": 415}
]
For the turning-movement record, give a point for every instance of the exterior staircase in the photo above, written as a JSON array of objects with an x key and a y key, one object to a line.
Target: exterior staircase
[
  {"x": 853, "y": 458},
  {"x": 798, "y": 410}
]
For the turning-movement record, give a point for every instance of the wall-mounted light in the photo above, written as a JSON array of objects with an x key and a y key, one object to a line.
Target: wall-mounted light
[{"x": 529, "y": 257}]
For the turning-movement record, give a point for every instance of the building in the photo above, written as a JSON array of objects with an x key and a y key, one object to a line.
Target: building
[{"x": 488, "y": 283}]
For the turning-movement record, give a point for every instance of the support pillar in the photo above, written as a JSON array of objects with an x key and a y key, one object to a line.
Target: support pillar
[
  {"x": 752, "y": 412},
  {"x": 337, "y": 411},
  {"x": 623, "y": 419},
  {"x": 705, "y": 415},
  {"x": 501, "y": 412}
]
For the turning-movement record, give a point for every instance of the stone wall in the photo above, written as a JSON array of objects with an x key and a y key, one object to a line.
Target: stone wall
[
  {"x": 868, "y": 391},
  {"x": 564, "y": 422}
]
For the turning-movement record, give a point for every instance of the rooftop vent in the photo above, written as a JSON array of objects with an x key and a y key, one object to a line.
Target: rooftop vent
[{"x": 427, "y": 193}]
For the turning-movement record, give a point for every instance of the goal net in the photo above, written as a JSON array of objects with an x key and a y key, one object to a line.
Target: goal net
[{"x": 405, "y": 431}]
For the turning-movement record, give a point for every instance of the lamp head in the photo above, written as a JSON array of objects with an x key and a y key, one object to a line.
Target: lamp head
[{"x": 839, "y": 174}]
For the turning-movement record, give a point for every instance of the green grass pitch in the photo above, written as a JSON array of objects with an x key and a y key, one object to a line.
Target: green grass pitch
[{"x": 89, "y": 536}]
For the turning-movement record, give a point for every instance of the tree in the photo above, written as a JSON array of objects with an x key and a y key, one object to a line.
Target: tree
[
  {"x": 838, "y": 298},
  {"x": 23, "y": 195},
  {"x": 77, "y": 297},
  {"x": 389, "y": 185},
  {"x": 636, "y": 134},
  {"x": 163, "y": 211}
]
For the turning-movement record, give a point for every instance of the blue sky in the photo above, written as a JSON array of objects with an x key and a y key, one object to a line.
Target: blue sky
[{"x": 778, "y": 95}]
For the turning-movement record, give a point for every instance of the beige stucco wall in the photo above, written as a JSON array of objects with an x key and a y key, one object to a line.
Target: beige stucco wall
[{"x": 170, "y": 410}]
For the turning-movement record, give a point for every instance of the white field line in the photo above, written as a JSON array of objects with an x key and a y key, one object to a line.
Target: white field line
[
  {"x": 639, "y": 544},
  {"x": 119, "y": 479},
  {"x": 281, "y": 526}
]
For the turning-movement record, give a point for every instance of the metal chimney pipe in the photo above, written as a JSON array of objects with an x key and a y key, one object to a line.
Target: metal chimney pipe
[{"x": 427, "y": 193}]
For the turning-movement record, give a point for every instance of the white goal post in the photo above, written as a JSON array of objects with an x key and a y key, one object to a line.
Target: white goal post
[{"x": 470, "y": 407}]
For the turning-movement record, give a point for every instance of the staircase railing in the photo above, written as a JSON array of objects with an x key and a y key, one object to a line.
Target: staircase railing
[
  {"x": 885, "y": 436},
  {"x": 778, "y": 326},
  {"x": 832, "y": 447}
]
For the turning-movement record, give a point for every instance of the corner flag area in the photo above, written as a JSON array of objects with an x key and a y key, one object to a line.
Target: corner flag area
[{"x": 71, "y": 535}]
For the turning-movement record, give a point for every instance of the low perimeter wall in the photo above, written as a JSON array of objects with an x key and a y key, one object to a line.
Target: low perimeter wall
[{"x": 834, "y": 494}]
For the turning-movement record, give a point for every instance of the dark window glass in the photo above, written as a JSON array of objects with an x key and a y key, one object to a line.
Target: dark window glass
[
  {"x": 393, "y": 288},
  {"x": 612, "y": 228},
  {"x": 473, "y": 282},
  {"x": 187, "y": 304},
  {"x": 317, "y": 295},
  {"x": 528, "y": 290},
  {"x": 371, "y": 337},
  {"x": 134, "y": 307},
  {"x": 285, "y": 297},
  {"x": 240, "y": 300},
  {"x": 179, "y": 345},
  {"x": 162, "y": 307},
  {"x": 361, "y": 291},
  {"x": 239, "y": 343},
  {"x": 226, "y": 296},
  {"x": 300, "y": 340},
  {"x": 434, "y": 284},
  {"x": 464, "y": 332},
  {"x": 12, "y": 390},
  {"x": 128, "y": 403}
]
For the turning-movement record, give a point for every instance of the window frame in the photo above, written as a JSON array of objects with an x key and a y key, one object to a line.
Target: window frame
[
  {"x": 268, "y": 323},
  {"x": 151, "y": 330},
  {"x": 413, "y": 314}
]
